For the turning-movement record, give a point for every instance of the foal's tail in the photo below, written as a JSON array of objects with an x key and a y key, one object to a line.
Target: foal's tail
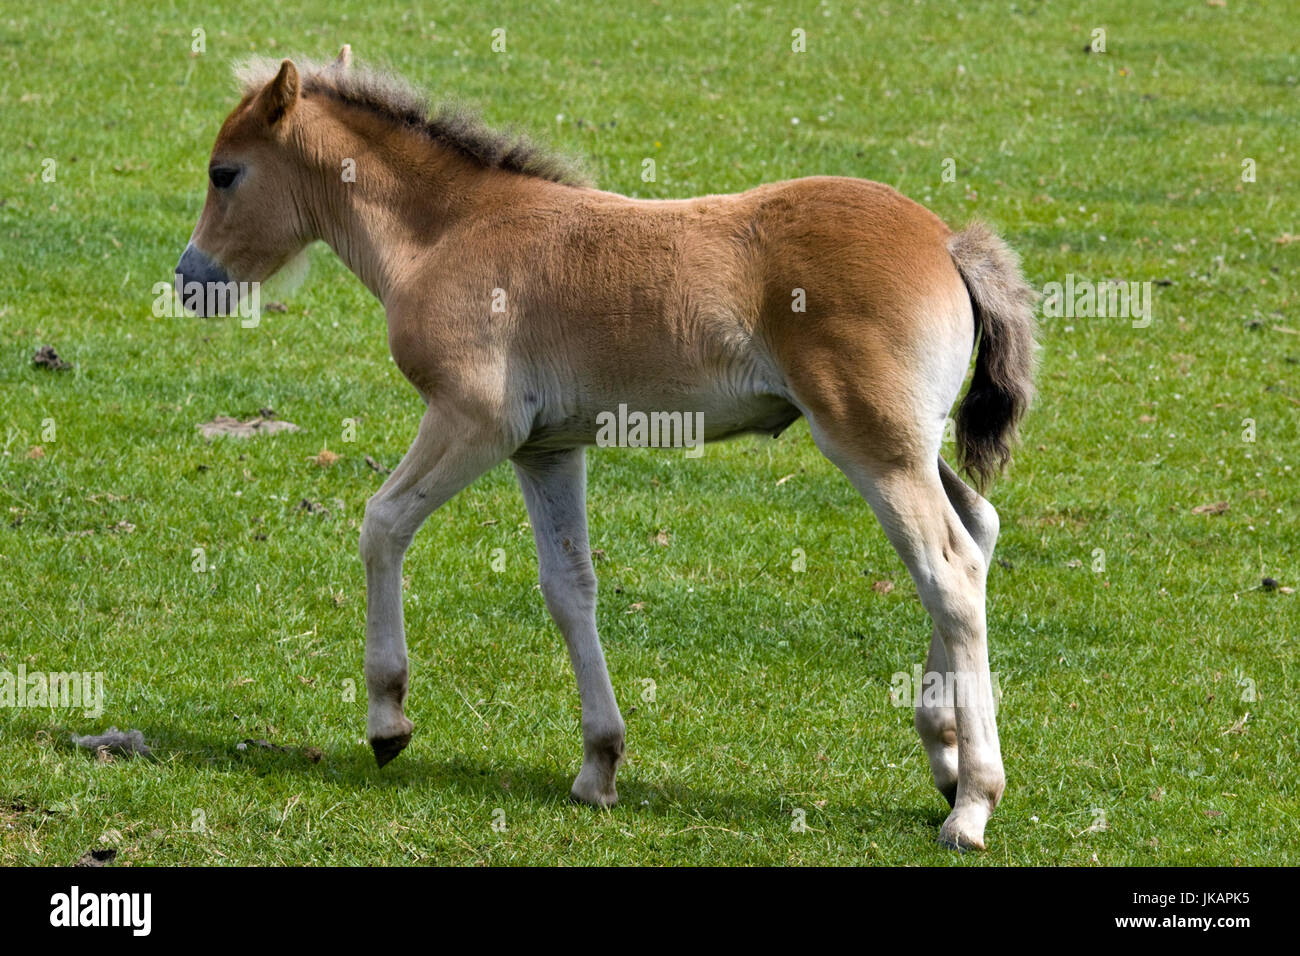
[{"x": 1003, "y": 384}]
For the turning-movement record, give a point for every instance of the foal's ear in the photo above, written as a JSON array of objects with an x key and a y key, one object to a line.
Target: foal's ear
[
  {"x": 344, "y": 62},
  {"x": 281, "y": 94}
]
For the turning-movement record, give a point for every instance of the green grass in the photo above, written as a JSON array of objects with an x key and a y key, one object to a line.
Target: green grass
[{"x": 1122, "y": 689}]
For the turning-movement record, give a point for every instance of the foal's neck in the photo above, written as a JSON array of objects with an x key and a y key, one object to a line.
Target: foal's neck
[{"x": 382, "y": 199}]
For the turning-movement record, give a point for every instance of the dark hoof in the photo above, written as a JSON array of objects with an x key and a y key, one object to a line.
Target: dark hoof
[
  {"x": 389, "y": 747},
  {"x": 948, "y": 844}
]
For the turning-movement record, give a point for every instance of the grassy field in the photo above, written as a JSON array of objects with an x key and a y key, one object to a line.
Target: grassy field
[{"x": 1149, "y": 681}]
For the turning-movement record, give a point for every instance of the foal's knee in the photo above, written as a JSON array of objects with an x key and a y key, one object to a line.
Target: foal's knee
[{"x": 382, "y": 537}]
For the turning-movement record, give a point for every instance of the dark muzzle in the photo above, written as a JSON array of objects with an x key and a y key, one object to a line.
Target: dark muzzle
[{"x": 203, "y": 286}]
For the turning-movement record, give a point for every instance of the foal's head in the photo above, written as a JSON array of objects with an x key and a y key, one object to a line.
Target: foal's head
[
  {"x": 252, "y": 222},
  {"x": 275, "y": 171}
]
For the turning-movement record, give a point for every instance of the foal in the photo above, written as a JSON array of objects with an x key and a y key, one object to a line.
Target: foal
[{"x": 522, "y": 304}]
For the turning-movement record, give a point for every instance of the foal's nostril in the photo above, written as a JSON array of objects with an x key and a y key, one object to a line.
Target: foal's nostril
[{"x": 203, "y": 287}]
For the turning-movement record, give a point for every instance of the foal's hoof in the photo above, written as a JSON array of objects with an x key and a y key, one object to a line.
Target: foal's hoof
[
  {"x": 594, "y": 788},
  {"x": 956, "y": 846},
  {"x": 959, "y": 835},
  {"x": 603, "y": 799},
  {"x": 386, "y": 748}
]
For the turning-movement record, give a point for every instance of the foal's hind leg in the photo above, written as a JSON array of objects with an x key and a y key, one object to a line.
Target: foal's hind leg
[
  {"x": 949, "y": 569},
  {"x": 554, "y": 486},
  {"x": 450, "y": 451},
  {"x": 936, "y": 721}
]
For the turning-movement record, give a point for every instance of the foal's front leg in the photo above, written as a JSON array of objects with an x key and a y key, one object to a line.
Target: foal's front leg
[
  {"x": 554, "y": 486},
  {"x": 450, "y": 451}
]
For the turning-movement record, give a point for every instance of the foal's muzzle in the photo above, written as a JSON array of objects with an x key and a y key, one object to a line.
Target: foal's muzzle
[{"x": 203, "y": 286}]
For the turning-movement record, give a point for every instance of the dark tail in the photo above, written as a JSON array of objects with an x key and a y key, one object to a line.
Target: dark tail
[{"x": 1005, "y": 326}]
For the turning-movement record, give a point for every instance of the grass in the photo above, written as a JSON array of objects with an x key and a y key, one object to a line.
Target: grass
[{"x": 1128, "y": 728}]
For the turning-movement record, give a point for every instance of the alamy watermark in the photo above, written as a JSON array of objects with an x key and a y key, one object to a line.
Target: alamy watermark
[
  {"x": 922, "y": 688},
  {"x": 1077, "y": 298},
  {"x": 41, "y": 689},
  {"x": 133, "y": 911},
  {"x": 624, "y": 429},
  {"x": 176, "y": 300}
]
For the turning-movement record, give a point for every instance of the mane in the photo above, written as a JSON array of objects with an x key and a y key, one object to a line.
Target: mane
[{"x": 390, "y": 97}]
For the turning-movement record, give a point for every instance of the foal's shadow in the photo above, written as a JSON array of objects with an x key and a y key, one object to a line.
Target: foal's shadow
[{"x": 354, "y": 766}]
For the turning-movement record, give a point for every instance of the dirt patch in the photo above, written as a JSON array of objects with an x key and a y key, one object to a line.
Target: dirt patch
[
  {"x": 46, "y": 357},
  {"x": 266, "y": 423},
  {"x": 97, "y": 858},
  {"x": 260, "y": 745},
  {"x": 314, "y": 754},
  {"x": 13, "y": 811}
]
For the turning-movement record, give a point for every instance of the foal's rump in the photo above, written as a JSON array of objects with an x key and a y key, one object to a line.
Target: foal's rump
[
  {"x": 872, "y": 308},
  {"x": 865, "y": 312}
]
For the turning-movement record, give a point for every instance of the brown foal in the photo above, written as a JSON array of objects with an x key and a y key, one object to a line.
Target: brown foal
[{"x": 523, "y": 304}]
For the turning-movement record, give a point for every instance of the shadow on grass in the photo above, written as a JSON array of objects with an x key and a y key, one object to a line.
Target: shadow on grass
[{"x": 354, "y": 767}]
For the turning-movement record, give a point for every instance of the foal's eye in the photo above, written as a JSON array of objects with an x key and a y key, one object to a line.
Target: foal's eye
[{"x": 223, "y": 176}]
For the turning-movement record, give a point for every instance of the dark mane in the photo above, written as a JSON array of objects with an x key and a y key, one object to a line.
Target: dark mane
[{"x": 397, "y": 101}]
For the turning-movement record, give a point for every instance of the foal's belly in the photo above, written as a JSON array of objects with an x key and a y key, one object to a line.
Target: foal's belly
[
  {"x": 653, "y": 420},
  {"x": 698, "y": 371}
]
